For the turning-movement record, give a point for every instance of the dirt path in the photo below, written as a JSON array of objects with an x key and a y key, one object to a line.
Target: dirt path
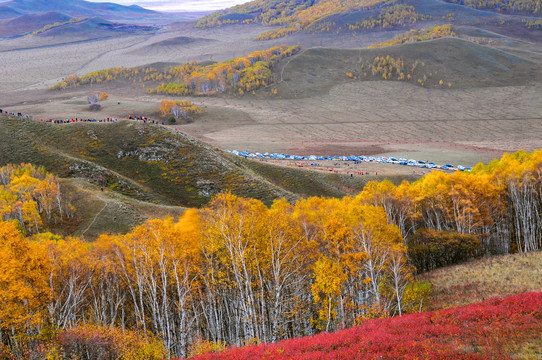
[{"x": 95, "y": 217}]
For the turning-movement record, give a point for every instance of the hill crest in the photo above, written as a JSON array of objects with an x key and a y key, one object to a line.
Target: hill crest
[{"x": 74, "y": 8}]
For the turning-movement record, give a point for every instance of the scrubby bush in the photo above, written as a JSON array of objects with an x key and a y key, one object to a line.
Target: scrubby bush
[
  {"x": 431, "y": 249},
  {"x": 106, "y": 343}
]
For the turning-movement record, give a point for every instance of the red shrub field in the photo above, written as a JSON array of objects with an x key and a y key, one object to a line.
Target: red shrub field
[{"x": 489, "y": 330}]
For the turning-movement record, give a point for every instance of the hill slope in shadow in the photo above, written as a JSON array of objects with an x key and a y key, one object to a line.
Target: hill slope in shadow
[{"x": 461, "y": 63}]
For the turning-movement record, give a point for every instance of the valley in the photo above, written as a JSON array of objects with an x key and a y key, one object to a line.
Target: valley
[{"x": 140, "y": 219}]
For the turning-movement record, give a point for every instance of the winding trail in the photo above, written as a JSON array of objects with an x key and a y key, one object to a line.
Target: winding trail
[{"x": 95, "y": 217}]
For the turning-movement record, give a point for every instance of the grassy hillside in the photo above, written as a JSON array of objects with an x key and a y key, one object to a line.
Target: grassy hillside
[
  {"x": 29, "y": 23},
  {"x": 236, "y": 76},
  {"x": 460, "y": 63},
  {"x": 311, "y": 183},
  {"x": 479, "y": 280},
  {"x": 345, "y": 16},
  {"x": 527, "y": 7},
  {"x": 107, "y": 212},
  {"x": 142, "y": 161},
  {"x": 302, "y": 14},
  {"x": 151, "y": 164},
  {"x": 315, "y": 16}
]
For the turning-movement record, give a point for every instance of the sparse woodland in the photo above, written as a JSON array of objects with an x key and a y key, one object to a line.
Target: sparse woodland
[
  {"x": 399, "y": 15},
  {"x": 237, "y": 272},
  {"x": 431, "y": 33},
  {"x": 294, "y": 16},
  {"x": 532, "y": 7},
  {"x": 389, "y": 68},
  {"x": 239, "y": 75},
  {"x": 305, "y": 13}
]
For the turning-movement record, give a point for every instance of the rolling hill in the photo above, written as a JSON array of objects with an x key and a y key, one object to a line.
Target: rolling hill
[
  {"x": 95, "y": 28},
  {"x": 463, "y": 64},
  {"x": 286, "y": 18},
  {"x": 141, "y": 161},
  {"x": 30, "y": 22},
  {"x": 74, "y": 8},
  {"x": 74, "y": 18}
]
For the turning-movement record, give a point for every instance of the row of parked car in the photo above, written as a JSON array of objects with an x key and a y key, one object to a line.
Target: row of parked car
[{"x": 380, "y": 159}]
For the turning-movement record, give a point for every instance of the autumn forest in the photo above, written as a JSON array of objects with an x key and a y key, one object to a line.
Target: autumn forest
[
  {"x": 276, "y": 180},
  {"x": 237, "y": 272}
]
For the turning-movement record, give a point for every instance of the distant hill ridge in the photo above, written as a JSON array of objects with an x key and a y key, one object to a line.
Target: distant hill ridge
[
  {"x": 300, "y": 14},
  {"x": 317, "y": 15},
  {"x": 303, "y": 14},
  {"x": 30, "y": 22},
  {"x": 346, "y": 16},
  {"x": 74, "y": 8}
]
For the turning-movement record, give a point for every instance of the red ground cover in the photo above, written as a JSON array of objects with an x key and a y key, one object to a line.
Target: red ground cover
[{"x": 480, "y": 331}]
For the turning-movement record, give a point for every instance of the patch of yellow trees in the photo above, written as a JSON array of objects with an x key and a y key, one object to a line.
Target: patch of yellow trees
[
  {"x": 434, "y": 32},
  {"x": 239, "y": 75},
  {"x": 31, "y": 197},
  {"x": 179, "y": 108}
]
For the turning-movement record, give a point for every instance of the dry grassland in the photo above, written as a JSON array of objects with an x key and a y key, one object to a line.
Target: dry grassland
[
  {"x": 396, "y": 119},
  {"x": 109, "y": 212},
  {"x": 479, "y": 280},
  {"x": 34, "y": 62}
]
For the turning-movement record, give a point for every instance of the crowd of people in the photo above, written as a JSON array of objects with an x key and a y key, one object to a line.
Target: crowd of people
[
  {"x": 59, "y": 121},
  {"x": 76, "y": 120},
  {"x": 146, "y": 120},
  {"x": 2, "y": 111}
]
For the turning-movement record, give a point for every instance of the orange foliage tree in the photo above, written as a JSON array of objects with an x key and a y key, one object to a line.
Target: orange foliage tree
[{"x": 32, "y": 197}]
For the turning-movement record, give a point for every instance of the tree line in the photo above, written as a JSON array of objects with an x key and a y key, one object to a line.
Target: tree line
[
  {"x": 241, "y": 75},
  {"x": 399, "y": 15},
  {"x": 499, "y": 203}
]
